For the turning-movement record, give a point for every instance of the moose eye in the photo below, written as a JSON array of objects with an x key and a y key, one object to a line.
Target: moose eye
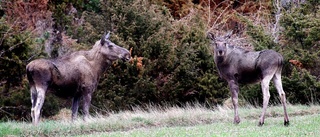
[
  {"x": 215, "y": 44},
  {"x": 110, "y": 45}
]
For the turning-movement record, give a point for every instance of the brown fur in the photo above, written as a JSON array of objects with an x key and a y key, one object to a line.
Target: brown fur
[{"x": 75, "y": 75}]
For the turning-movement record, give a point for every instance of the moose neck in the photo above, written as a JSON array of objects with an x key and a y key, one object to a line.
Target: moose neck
[{"x": 99, "y": 62}]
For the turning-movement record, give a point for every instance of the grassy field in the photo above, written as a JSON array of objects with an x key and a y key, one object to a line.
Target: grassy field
[{"x": 174, "y": 121}]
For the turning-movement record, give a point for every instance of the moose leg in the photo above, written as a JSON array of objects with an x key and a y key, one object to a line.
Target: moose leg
[
  {"x": 234, "y": 88},
  {"x": 33, "y": 101},
  {"x": 75, "y": 106},
  {"x": 86, "y": 105},
  {"x": 266, "y": 96},
  {"x": 278, "y": 84},
  {"x": 38, "y": 104}
]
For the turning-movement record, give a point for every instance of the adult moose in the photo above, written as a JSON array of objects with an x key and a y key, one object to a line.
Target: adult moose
[
  {"x": 75, "y": 75},
  {"x": 237, "y": 65}
]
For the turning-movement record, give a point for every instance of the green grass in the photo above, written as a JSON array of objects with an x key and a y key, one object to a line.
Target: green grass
[
  {"x": 301, "y": 126},
  {"x": 174, "y": 121}
]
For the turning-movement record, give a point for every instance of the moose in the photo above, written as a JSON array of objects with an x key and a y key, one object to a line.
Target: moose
[
  {"x": 75, "y": 75},
  {"x": 239, "y": 66}
]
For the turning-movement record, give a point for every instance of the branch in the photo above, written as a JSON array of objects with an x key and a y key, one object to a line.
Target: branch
[
  {"x": 276, "y": 26},
  {"x": 14, "y": 46},
  {"x": 223, "y": 12},
  {"x": 10, "y": 107}
]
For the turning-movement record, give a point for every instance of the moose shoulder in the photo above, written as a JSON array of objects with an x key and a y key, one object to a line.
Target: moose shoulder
[
  {"x": 239, "y": 66},
  {"x": 75, "y": 75}
]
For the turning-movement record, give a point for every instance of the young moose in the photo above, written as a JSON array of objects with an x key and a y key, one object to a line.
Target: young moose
[
  {"x": 75, "y": 75},
  {"x": 238, "y": 66}
]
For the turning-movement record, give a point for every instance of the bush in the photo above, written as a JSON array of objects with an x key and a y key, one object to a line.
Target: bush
[
  {"x": 172, "y": 63},
  {"x": 299, "y": 41},
  {"x": 301, "y": 87},
  {"x": 301, "y": 35},
  {"x": 177, "y": 65},
  {"x": 15, "y": 52}
]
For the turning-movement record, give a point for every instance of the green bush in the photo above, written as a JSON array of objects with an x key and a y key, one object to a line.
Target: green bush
[
  {"x": 301, "y": 87},
  {"x": 178, "y": 65},
  {"x": 16, "y": 50},
  {"x": 300, "y": 39},
  {"x": 301, "y": 35}
]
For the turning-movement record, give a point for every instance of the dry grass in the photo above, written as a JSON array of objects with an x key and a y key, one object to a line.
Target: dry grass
[{"x": 153, "y": 117}]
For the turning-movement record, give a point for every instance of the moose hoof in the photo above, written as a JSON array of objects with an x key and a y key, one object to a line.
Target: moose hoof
[
  {"x": 260, "y": 124},
  {"x": 286, "y": 123},
  {"x": 236, "y": 120}
]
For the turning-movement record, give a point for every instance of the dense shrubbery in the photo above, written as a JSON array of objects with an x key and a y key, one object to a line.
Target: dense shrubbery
[
  {"x": 301, "y": 37},
  {"x": 13, "y": 54},
  {"x": 300, "y": 41},
  {"x": 177, "y": 64}
]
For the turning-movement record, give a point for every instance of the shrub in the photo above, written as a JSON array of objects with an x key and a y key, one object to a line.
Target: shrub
[
  {"x": 178, "y": 67},
  {"x": 299, "y": 41},
  {"x": 15, "y": 51},
  {"x": 301, "y": 36}
]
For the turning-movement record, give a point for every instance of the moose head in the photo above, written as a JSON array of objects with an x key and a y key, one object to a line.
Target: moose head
[
  {"x": 113, "y": 51},
  {"x": 220, "y": 45}
]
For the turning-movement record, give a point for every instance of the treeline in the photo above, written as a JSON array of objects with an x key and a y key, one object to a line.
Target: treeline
[{"x": 173, "y": 63}]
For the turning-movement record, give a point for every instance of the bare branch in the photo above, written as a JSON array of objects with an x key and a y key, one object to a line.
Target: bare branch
[
  {"x": 276, "y": 26},
  {"x": 6, "y": 33},
  {"x": 3, "y": 109}
]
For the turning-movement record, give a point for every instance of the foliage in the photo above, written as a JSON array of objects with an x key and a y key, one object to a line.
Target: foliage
[
  {"x": 178, "y": 8},
  {"x": 301, "y": 87},
  {"x": 301, "y": 37},
  {"x": 258, "y": 35},
  {"x": 15, "y": 51},
  {"x": 177, "y": 62},
  {"x": 25, "y": 15},
  {"x": 172, "y": 63},
  {"x": 13, "y": 54},
  {"x": 69, "y": 16}
]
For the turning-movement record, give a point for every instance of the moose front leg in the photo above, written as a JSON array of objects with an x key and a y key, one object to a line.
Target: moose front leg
[
  {"x": 75, "y": 106},
  {"x": 86, "y": 106},
  {"x": 234, "y": 88}
]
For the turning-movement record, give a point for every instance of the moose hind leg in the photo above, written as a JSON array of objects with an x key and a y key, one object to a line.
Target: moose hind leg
[
  {"x": 266, "y": 96},
  {"x": 33, "y": 101},
  {"x": 278, "y": 84},
  {"x": 38, "y": 104}
]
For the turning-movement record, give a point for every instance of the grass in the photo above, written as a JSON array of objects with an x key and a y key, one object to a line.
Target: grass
[
  {"x": 246, "y": 129},
  {"x": 175, "y": 121}
]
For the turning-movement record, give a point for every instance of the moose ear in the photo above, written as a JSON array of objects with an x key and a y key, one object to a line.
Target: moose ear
[
  {"x": 104, "y": 38},
  {"x": 228, "y": 35},
  {"x": 211, "y": 36},
  {"x": 108, "y": 35}
]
